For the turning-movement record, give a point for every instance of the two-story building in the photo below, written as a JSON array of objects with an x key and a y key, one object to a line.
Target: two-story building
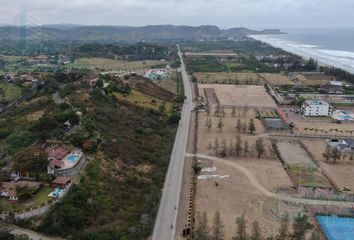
[{"x": 316, "y": 108}]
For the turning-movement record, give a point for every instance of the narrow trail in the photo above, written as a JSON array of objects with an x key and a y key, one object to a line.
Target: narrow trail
[{"x": 265, "y": 191}]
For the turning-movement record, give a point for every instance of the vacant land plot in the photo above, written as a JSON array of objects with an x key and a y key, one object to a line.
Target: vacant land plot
[
  {"x": 167, "y": 84},
  {"x": 314, "y": 79},
  {"x": 229, "y": 78},
  {"x": 276, "y": 79},
  {"x": 341, "y": 172},
  {"x": 112, "y": 65},
  {"x": 146, "y": 101},
  {"x": 293, "y": 153},
  {"x": 234, "y": 195},
  {"x": 241, "y": 96},
  {"x": 9, "y": 92}
]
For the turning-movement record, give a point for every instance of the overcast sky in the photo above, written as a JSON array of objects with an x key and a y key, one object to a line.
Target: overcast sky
[{"x": 224, "y": 13}]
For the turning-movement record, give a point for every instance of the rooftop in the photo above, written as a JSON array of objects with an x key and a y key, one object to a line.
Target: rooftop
[{"x": 316, "y": 103}]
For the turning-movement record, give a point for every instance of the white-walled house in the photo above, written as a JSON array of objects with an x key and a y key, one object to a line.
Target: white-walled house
[{"x": 316, "y": 108}]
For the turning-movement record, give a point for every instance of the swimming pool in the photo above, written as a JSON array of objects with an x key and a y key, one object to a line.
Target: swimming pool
[
  {"x": 337, "y": 228},
  {"x": 73, "y": 158}
]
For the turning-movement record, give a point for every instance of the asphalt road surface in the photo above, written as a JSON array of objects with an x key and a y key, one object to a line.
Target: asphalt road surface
[{"x": 165, "y": 225}]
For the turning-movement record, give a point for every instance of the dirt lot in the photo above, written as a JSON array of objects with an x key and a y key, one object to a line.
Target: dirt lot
[
  {"x": 312, "y": 79},
  {"x": 276, "y": 79},
  {"x": 228, "y": 190},
  {"x": 341, "y": 172},
  {"x": 293, "y": 153},
  {"x": 229, "y": 78},
  {"x": 235, "y": 195},
  {"x": 241, "y": 96}
]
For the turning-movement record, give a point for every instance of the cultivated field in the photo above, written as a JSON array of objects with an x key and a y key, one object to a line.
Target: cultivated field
[
  {"x": 112, "y": 65},
  {"x": 240, "y": 96},
  {"x": 276, "y": 79},
  {"x": 229, "y": 78}
]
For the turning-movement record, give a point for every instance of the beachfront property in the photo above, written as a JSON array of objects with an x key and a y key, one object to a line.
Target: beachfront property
[
  {"x": 9, "y": 190},
  {"x": 61, "y": 159},
  {"x": 157, "y": 74},
  {"x": 316, "y": 108},
  {"x": 343, "y": 116},
  {"x": 344, "y": 145}
]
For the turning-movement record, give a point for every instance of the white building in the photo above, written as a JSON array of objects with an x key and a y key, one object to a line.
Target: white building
[{"x": 316, "y": 108}]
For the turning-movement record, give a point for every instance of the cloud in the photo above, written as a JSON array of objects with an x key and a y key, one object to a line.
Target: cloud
[{"x": 225, "y": 13}]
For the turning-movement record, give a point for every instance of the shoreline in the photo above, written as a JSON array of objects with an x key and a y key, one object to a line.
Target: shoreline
[{"x": 306, "y": 52}]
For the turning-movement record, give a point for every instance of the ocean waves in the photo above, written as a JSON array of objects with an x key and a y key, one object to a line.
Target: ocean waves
[{"x": 338, "y": 58}]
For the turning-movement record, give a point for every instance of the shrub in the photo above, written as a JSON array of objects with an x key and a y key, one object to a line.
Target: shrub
[{"x": 20, "y": 139}]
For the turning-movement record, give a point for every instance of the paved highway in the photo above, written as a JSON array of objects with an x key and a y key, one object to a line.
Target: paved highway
[{"x": 165, "y": 225}]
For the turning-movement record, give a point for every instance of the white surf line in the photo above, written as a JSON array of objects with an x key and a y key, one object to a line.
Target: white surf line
[{"x": 265, "y": 191}]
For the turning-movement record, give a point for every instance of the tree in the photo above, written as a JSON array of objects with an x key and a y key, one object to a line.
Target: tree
[
  {"x": 241, "y": 233},
  {"x": 233, "y": 112},
  {"x": 246, "y": 148},
  {"x": 238, "y": 145},
  {"x": 208, "y": 124},
  {"x": 284, "y": 228},
  {"x": 251, "y": 126},
  {"x": 210, "y": 147},
  {"x": 32, "y": 159},
  {"x": 220, "y": 125},
  {"x": 256, "y": 231},
  {"x": 216, "y": 146},
  {"x": 217, "y": 230},
  {"x": 222, "y": 149},
  {"x": 201, "y": 230},
  {"x": 238, "y": 126},
  {"x": 336, "y": 155},
  {"x": 301, "y": 226},
  {"x": 260, "y": 147},
  {"x": 327, "y": 153}
]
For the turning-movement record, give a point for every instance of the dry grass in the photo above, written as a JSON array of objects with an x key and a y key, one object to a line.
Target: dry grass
[
  {"x": 241, "y": 96},
  {"x": 276, "y": 79},
  {"x": 229, "y": 78}
]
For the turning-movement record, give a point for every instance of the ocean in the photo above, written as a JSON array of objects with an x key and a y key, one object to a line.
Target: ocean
[{"x": 329, "y": 46}]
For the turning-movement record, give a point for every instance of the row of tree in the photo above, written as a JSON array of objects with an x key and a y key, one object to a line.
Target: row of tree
[
  {"x": 240, "y": 148},
  {"x": 219, "y": 111},
  {"x": 241, "y": 127},
  {"x": 300, "y": 229}
]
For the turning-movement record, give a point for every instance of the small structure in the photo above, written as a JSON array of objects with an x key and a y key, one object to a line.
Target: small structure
[
  {"x": 41, "y": 59},
  {"x": 316, "y": 108},
  {"x": 345, "y": 145},
  {"x": 9, "y": 189},
  {"x": 157, "y": 74},
  {"x": 61, "y": 182},
  {"x": 343, "y": 116},
  {"x": 57, "y": 153}
]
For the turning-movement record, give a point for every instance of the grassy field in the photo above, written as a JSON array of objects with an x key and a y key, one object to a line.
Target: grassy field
[
  {"x": 145, "y": 101},
  {"x": 9, "y": 92},
  {"x": 11, "y": 59},
  {"x": 308, "y": 177},
  {"x": 112, "y": 65},
  {"x": 40, "y": 198}
]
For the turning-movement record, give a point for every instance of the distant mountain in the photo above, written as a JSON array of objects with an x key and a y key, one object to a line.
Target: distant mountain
[{"x": 123, "y": 33}]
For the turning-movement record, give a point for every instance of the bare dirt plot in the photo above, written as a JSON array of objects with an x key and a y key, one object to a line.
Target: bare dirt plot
[
  {"x": 236, "y": 195},
  {"x": 228, "y": 132},
  {"x": 241, "y": 96},
  {"x": 276, "y": 79},
  {"x": 293, "y": 153},
  {"x": 229, "y": 78},
  {"x": 341, "y": 172},
  {"x": 168, "y": 84}
]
